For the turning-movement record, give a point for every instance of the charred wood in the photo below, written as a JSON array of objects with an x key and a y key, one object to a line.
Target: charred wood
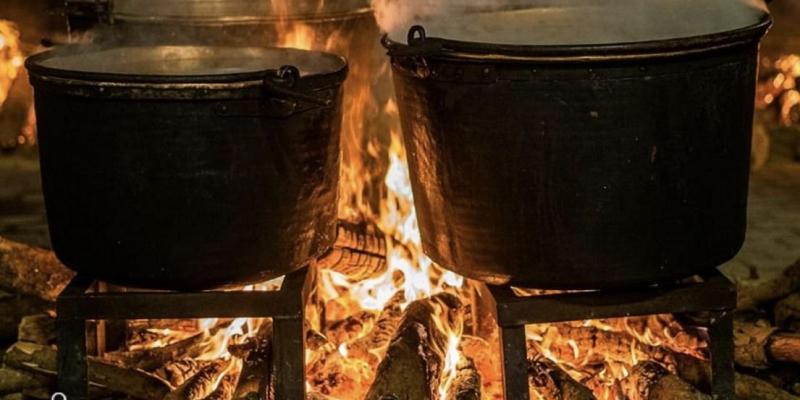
[
  {"x": 179, "y": 371},
  {"x": 467, "y": 382},
  {"x": 546, "y": 380},
  {"x": 202, "y": 384},
  {"x": 651, "y": 381},
  {"x": 698, "y": 373},
  {"x": 592, "y": 346},
  {"x": 39, "y": 329},
  {"x": 225, "y": 389},
  {"x": 752, "y": 294},
  {"x": 758, "y": 344},
  {"x": 348, "y": 329},
  {"x": 381, "y": 334},
  {"x": 153, "y": 358},
  {"x": 655, "y": 330},
  {"x": 410, "y": 369},
  {"x": 255, "y": 380},
  {"x": 32, "y": 271},
  {"x": 412, "y": 366},
  {"x": 135, "y": 383},
  {"x": 484, "y": 354},
  {"x": 15, "y": 381}
]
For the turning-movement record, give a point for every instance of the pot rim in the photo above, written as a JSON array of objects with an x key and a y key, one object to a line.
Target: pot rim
[
  {"x": 222, "y": 81},
  {"x": 243, "y": 20},
  {"x": 422, "y": 46}
]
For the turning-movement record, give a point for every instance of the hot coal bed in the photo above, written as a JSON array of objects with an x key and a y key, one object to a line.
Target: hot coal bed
[{"x": 245, "y": 165}]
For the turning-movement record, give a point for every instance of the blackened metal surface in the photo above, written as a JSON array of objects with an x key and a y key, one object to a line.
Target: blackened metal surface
[
  {"x": 551, "y": 170},
  {"x": 188, "y": 185},
  {"x": 715, "y": 295}
]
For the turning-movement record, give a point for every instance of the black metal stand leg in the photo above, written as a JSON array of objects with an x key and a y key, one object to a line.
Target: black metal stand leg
[
  {"x": 289, "y": 359},
  {"x": 515, "y": 362},
  {"x": 722, "y": 368},
  {"x": 73, "y": 377},
  {"x": 288, "y": 336}
]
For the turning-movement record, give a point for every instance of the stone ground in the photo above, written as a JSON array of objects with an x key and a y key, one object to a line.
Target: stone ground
[{"x": 773, "y": 236}]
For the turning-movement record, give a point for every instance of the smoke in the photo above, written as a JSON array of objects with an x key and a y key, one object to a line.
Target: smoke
[{"x": 394, "y": 15}]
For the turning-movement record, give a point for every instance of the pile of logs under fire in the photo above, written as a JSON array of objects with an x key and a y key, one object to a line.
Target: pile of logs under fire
[{"x": 403, "y": 351}]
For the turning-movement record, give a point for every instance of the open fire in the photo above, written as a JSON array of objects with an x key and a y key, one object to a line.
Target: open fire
[
  {"x": 409, "y": 326},
  {"x": 15, "y": 98},
  {"x": 367, "y": 321}
]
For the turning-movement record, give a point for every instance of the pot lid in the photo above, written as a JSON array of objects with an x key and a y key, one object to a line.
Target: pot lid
[
  {"x": 581, "y": 22},
  {"x": 155, "y": 63}
]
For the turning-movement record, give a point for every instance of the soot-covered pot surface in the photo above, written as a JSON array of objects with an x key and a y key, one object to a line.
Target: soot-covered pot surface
[
  {"x": 580, "y": 144},
  {"x": 188, "y": 167}
]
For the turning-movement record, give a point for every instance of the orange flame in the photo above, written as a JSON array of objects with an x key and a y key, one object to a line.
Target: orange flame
[{"x": 11, "y": 58}]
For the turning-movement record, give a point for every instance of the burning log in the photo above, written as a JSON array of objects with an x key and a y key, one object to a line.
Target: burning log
[
  {"x": 202, "y": 384},
  {"x": 547, "y": 381},
  {"x": 39, "y": 329},
  {"x": 143, "y": 332},
  {"x": 698, "y": 373},
  {"x": 592, "y": 346},
  {"x": 752, "y": 294},
  {"x": 135, "y": 383},
  {"x": 348, "y": 329},
  {"x": 655, "y": 330},
  {"x": 13, "y": 380},
  {"x": 178, "y": 372},
  {"x": 758, "y": 344},
  {"x": 467, "y": 382},
  {"x": 379, "y": 337},
  {"x": 226, "y": 388},
  {"x": 32, "y": 271},
  {"x": 651, "y": 381},
  {"x": 359, "y": 252},
  {"x": 153, "y": 358},
  {"x": 256, "y": 376},
  {"x": 413, "y": 363},
  {"x": 410, "y": 369},
  {"x": 484, "y": 354}
]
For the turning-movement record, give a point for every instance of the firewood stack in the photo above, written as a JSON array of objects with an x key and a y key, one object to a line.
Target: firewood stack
[{"x": 398, "y": 352}]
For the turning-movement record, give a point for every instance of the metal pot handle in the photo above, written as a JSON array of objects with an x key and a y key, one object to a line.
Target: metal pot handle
[{"x": 282, "y": 83}]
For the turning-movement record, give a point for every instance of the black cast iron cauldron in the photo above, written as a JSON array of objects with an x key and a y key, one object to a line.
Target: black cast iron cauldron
[
  {"x": 185, "y": 167},
  {"x": 595, "y": 145}
]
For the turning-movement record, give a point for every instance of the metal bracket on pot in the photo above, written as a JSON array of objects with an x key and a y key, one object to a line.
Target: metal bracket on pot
[
  {"x": 282, "y": 82},
  {"x": 280, "y": 100}
]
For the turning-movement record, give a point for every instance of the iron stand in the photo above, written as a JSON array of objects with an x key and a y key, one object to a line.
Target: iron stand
[
  {"x": 83, "y": 300},
  {"x": 716, "y": 295}
]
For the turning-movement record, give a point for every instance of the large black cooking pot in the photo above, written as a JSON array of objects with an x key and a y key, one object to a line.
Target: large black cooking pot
[
  {"x": 581, "y": 144},
  {"x": 183, "y": 167}
]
